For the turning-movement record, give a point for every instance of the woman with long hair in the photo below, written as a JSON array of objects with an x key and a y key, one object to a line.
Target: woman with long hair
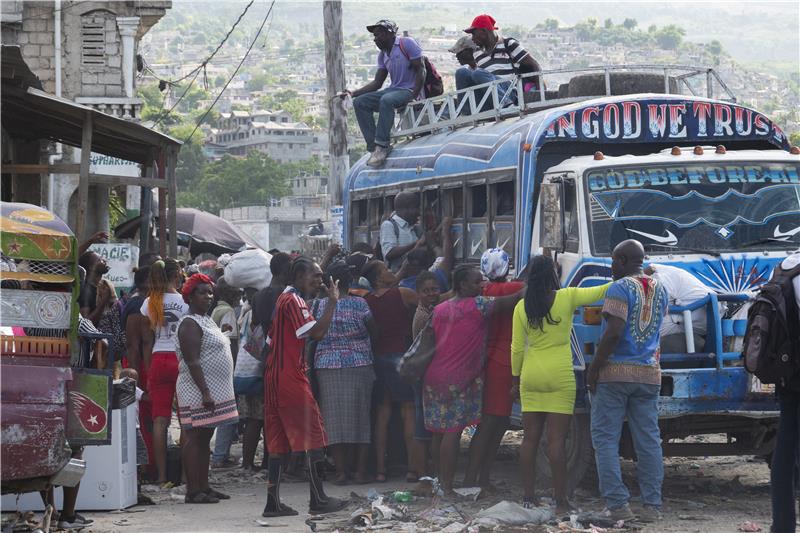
[
  {"x": 164, "y": 308},
  {"x": 541, "y": 366},
  {"x": 453, "y": 383}
]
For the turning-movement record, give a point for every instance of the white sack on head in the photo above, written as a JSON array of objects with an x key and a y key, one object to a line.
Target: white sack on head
[{"x": 249, "y": 268}]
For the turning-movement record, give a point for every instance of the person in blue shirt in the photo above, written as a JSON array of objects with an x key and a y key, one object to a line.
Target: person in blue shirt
[
  {"x": 625, "y": 380},
  {"x": 400, "y": 59}
]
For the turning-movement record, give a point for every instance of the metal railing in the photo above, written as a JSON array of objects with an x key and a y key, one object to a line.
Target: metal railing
[{"x": 506, "y": 97}]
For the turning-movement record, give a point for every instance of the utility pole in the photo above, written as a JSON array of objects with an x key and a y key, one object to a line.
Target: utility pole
[{"x": 337, "y": 115}]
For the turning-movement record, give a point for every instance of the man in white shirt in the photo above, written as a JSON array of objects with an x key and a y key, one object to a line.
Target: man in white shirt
[
  {"x": 399, "y": 234},
  {"x": 683, "y": 289}
]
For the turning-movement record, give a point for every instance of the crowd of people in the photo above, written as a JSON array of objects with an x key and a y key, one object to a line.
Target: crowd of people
[
  {"x": 312, "y": 360},
  {"x": 485, "y": 56}
]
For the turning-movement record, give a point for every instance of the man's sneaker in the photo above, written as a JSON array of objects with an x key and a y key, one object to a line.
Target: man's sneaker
[
  {"x": 379, "y": 156},
  {"x": 331, "y": 505},
  {"x": 74, "y": 522},
  {"x": 620, "y": 513},
  {"x": 650, "y": 513}
]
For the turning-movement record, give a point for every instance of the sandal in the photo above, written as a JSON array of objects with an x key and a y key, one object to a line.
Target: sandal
[
  {"x": 283, "y": 510},
  {"x": 217, "y": 494},
  {"x": 200, "y": 497}
]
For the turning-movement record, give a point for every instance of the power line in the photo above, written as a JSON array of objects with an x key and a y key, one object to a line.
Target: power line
[
  {"x": 235, "y": 72},
  {"x": 209, "y": 58}
]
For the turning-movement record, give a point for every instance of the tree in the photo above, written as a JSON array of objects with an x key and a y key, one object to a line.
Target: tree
[
  {"x": 652, "y": 28},
  {"x": 714, "y": 47},
  {"x": 219, "y": 81},
  {"x": 608, "y": 24},
  {"x": 250, "y": 179},
  {"x": 551, "y": 24},
  {"x": 629, "y": 24},
  {"x": 670, "y": 37},
  {"x": 794, "y": 138}
]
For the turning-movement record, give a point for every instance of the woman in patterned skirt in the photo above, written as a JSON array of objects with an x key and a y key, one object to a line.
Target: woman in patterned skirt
[
  {"x": 343, "y": 366},
  {"x": 205, "y": 386},
  {"x": 453, "y": 383}
]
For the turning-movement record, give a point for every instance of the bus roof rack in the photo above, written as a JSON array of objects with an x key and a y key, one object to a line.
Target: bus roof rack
[{"x": 500, "y": 99}]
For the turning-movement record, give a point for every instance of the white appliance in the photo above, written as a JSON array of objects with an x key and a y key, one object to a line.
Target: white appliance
[{"x": 110, "y": 479}]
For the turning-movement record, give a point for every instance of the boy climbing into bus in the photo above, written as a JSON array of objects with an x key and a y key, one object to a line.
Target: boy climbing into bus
[{"x": 401, "y": 59}]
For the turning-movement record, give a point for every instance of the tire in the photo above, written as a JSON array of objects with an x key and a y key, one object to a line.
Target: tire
[
  {"x": 580, "y": 454},
  {"x": 621, "y": 83}
]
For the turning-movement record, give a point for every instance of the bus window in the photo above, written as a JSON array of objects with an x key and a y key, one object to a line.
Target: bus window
[
  {"x": 570, "y": 216},
  {"x": 477, "y": 224},
  {"x": 453, "y": 202},
  {"x": 375, "y": 212},
  {"x": 477, "y": 195},
  {"x": 388, "y": 204},
  {"x": 361, "y": 213},
  {"x": 504, "y": 199}
]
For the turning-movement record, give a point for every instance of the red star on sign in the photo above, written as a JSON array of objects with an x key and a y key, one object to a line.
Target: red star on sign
[{"x": 14, "y": 247}]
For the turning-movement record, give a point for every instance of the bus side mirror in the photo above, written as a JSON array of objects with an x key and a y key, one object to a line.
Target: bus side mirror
[{"x": 552, "y": 224}]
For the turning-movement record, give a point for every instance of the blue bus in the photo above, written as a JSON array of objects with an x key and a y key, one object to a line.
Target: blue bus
[{"x": 705, "y": 184}]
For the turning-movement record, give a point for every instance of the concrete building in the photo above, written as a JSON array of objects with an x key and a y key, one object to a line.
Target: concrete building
[
  {"x": 84, "y": 51},
  {"x": 270, "y": 132},
  {"x": 281, "y": 223}
]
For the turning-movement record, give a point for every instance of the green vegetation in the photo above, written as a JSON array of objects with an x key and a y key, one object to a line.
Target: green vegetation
[{"x": 234, "y": 181}]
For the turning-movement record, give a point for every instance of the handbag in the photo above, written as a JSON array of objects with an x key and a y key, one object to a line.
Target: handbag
[
  {"x": 248, "y": 373},
  {"x": 418, "y": 357}
]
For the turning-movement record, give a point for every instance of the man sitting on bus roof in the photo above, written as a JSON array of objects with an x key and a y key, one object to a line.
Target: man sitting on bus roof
[
  {"x": 401, "y": 59},
  {"x": 498, "y": 58}
]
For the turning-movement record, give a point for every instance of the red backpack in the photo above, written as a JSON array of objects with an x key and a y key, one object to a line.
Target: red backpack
[{"x": 433, "y": 80}]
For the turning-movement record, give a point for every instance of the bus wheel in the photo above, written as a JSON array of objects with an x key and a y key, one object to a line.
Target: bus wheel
[{"x": 580, "y": 454}]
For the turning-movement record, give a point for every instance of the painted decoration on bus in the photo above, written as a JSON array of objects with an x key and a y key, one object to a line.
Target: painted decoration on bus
[
  {"x": 725, "y": 207},
  {"x": 674, "y": 120}
]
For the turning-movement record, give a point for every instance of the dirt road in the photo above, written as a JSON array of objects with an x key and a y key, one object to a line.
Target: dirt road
[{"x": 708, "y": 495}]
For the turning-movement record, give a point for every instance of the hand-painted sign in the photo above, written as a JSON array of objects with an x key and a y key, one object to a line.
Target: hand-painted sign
[
  {"x": 121, "y": 259},
  {"x": 88, "y": 407},
  {"x": 663, "y": 120},
  {"x": 659, "y": 176}
]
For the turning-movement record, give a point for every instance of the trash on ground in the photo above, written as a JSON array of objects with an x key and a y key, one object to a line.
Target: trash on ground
[
  {"x": 511, "y": 514},
  {"x": 470, "y": 493},
  {"x": 749, "y": 526}
]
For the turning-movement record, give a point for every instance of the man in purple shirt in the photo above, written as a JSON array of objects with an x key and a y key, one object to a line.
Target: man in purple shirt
[{"x": 401, "y": 59}]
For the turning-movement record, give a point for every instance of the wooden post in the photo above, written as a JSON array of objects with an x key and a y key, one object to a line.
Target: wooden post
[
  {"x": 83, "y": 185},
  {"x": 172, "y": 161},
  {"x": 162, "y": 204},
  {"x": 337, "y": 115},
  {"x": 145, "y": 211}
]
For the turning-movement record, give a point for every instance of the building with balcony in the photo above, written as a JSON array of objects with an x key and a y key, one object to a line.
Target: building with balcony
[
  {"x": 273, "y": 133},
  {"x": 85, "y": 52}
]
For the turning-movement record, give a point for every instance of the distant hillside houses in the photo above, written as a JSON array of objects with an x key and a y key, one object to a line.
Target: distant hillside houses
[{"x": 270, "y": 132}]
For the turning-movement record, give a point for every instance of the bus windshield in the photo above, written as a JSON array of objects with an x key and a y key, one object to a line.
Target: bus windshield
[{"x": 730, "y": 207}]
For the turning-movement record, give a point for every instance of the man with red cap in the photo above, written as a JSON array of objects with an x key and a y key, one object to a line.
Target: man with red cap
[
  {"x": 496, "y": 58},
  {"x": 400, "y": 59}
]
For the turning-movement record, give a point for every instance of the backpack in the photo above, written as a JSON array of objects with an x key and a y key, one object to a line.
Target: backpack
[
  {"x": 770, "y": 349},
  {"x": 433, "y": 80}
]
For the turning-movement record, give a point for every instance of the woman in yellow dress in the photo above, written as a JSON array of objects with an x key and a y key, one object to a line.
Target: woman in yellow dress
[{"x": 541, "y": 366}]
